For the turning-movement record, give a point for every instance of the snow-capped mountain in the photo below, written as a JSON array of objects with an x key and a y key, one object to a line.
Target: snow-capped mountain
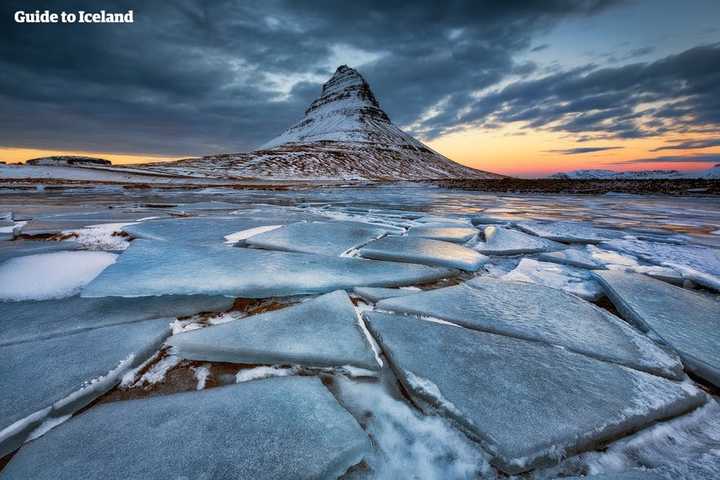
[
  {"x": 344, "y": 134},
  {"x": 710, "y": 173}
]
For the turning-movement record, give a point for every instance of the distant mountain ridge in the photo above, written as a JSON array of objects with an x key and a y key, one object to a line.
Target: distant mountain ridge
[
  {"x": 344, "y": 134},
  {"x": 597, "y": 174}
]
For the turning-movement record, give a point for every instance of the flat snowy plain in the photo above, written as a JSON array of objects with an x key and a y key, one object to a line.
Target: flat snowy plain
[{"x": 144, "y": 332}]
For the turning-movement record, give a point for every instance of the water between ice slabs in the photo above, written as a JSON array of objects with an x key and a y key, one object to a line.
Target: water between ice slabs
[
  {"x": 279, "y": 428},
  {"x": 526, "y": 402},
  {"x": 686, "y": 320},
  {"x": 505, "y": 241},
  {"x": 539, "y": 313},
  {"x": 424, "y": 251},
  {"x": 323, "y": 238},
  {"x": 321, "y": 332},
  {"x": 150, "y": 268},
  {"x": 41, "y": 374}
]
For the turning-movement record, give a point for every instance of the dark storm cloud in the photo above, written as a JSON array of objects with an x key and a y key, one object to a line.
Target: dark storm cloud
[
  {"x": 709, "y": 158},
  {"x": 689, "y": 145},
  {"x": 581, "y": 150},
  {"x": 193, "y": 77},
  {"x": 679, "y": 93}
]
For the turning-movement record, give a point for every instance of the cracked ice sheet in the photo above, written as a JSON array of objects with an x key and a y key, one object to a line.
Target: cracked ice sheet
[
  {"x": 407, "y": 443},
  {"x": 320, "y": 332},
  {"x": 50, "y": 275},
  {"x": 564, "y": 277},
  {"x": 686, "y": 320},
  {"x": 505, "y": 241},
  {"x": 276, "y": 428},
  {"x": 569, "y": 232},
  {"x": 322, "y": 238},
  {"x": 150, "y": 268},
  {"x": 57, "y": 374},
  {"x": 539, "y": 313},
  {"x": 424, "y": 251},
  {"x": 33, "y": 320},
  {"x": 446, "y": 234},
  {"x": 699, "y": 264},
  {"x": 527, "y": 403}
]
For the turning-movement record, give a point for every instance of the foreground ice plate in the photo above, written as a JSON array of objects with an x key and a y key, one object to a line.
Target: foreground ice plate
[
  {"x": 424, "y": 251},
  {"x": 374, "y": 294},
  {"x": 32, "y": 320},
  {"x": 505, "y": 241},
  {"x": 280, "y": 428},
  {"x": 688, "y": 321},
  {"x": 446, "y": 234},
  {"x": 323, "y": 238},
  {"x": 564, "y": 277},
  {"x": 526, "y": 402},
  {"x": 571, "y": 232},
  {"x": 59, "y": 375},
  {"x": 321, "y": 332},
  {"x": 539, "y": 313},
  {"x": 150, "y": 268}
]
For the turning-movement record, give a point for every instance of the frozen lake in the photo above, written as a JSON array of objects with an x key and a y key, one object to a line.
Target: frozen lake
[{"x": 426, "y": 333}]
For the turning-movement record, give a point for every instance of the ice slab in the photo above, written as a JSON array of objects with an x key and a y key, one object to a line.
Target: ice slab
[
  {"x": 573, "y": 257},
  {"x": 526, "y": 402},
  {"x": 569, "y": 232},
  {"x": 374, "y": 294},
  {"x": 279, "y": 428},
  {"x": 435, "y": 221},
  {"x": 57, "y": 223},
  {"x": 150, "y": 268},
  {"x": 60, "y": 375},
  {"x": 699, "y": 264},
  {"x": 538, "y": 313},
  {"x": 50, "y": 275},
  {"x": 21, "y": 248},
  {"x": 200, "y": 230},
  {"x": 446, "y": 234},
  {"x": 423, "y": 251},
  {"x": 687, "y": 321},
  {"x": 629, "y": 475},
  {"x": 32, "y": 320},
  {"x": 323, "y": 238},
  {"x": 505, "y": 241},
  {"x": 570, "y": 279},
  {"x": 321, "y": 332}
]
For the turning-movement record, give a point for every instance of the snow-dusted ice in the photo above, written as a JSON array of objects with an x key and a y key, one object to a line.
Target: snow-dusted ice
[
  {"x": 21, "y": 248},
  {"x": 564, "y": 277},
  {"x": 528, "y": 403},
  {"x": 321, "y": 332},
  {"x": 506, "y": 241},
  {"x": 268, "y": 429},
  {"x": 322, "y": 238},
  {"x": 447, "y": 234},
  {"x": 150, "y": 268},
  {"x": 59, "y": 375},
  {"x": 50, "y": 275},
  {"x": 32, "y": 320},
  {"x": 423, "y": 251},
  {"x": 574, "y": 257},
  {"x": 539, "y": 313},
  {"x": 688, "y": 321}
]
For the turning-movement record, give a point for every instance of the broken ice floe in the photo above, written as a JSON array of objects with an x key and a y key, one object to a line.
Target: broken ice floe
[
  {"x": 161, "y": 268},
  {"x": 33, "y": 320},
  {"x": 446, "y": 234},
  {"x": 320, "y": 332},
  {"x": 572, "y": 256},
  {"x": 323, "y": 238},
  {"x": 374, "y": 294},
  {"x": 687, "y": 321},
  {"x": 526, "y": 402},
  {"x": 22, "y": 248},
  {"x": 57, "y": 376},
  {"x": 505, "y": 241},
  {"x": 699, "y": 264},
  {"x": 538, "y": 313},
  {"x": 564, "y": 277},
  {"x": 423, "y": 251},
  {"x": 568, "y": 232},
  {"x": 275, "y": 428},
  {"x": 50, "y": 275}
]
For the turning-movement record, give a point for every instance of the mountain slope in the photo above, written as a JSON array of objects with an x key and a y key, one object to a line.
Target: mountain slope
[{"x": 344, "y": 134}]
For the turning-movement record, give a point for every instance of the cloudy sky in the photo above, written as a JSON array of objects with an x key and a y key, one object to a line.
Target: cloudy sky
[{"x": 523, "y": 88}]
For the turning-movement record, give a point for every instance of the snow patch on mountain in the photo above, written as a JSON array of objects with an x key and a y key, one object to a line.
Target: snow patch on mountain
[{"x": 598, "y": 174}]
